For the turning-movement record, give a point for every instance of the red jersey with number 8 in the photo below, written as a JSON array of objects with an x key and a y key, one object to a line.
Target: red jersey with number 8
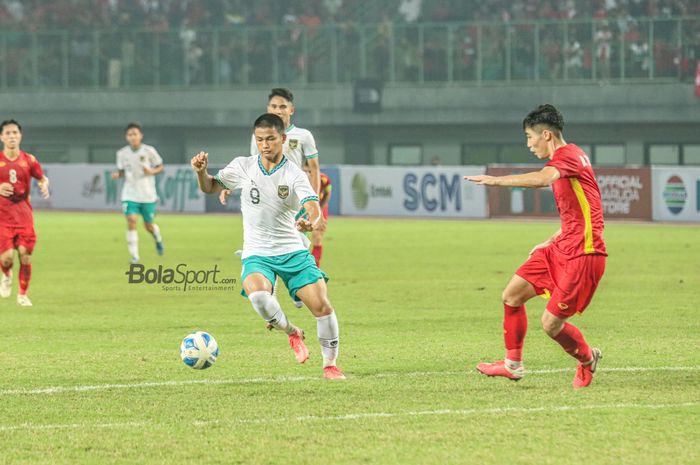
[
  {"x": 16, "y": 210},
  {"x": 577, "y": 196}
]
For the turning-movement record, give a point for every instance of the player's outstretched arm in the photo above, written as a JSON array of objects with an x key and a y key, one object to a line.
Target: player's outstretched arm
[
  {"x": 207, "y": 183},
  {"x": 153, "y": 171},
  {"x": 43, "y": 184},
  {"x": 316, "y": 222},
  {"x": 543, "y": 178}
]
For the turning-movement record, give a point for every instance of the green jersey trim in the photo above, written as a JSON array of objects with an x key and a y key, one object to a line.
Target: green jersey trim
[
  {"x": 308, "y": 199},
  {"x": 270, "y": 173},
  {"x": 313, "y": 155},
  {"x": 301, "y": 214},
  {"x": 220, "y": 182},
  {"x": 291, "y": 126}
]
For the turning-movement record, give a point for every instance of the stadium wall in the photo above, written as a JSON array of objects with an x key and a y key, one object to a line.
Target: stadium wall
[{"x": 442, "y": 123}]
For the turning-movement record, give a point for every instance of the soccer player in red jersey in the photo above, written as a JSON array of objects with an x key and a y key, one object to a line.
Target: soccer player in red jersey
[
  {"x": 566, "y": 267},
  {"x": 323, "y": 197},
  {"x": 17, "y": 168}
]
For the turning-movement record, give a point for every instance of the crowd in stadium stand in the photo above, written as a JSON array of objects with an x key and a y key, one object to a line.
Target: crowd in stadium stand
[
  {"x": 165, "y": 14},
  {"x": 619, "y": 44}
]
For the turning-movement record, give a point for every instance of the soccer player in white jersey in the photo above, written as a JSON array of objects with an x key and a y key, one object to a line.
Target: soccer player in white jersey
[
  {"x": 273, "y": 189},
  {"x": 139, "y": 164},
  {"x": 299, "y": 146}
]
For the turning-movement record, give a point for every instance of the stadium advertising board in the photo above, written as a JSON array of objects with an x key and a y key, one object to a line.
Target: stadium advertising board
[
  {"x": 411, "y": 191},
  {"x": 625, "y": 193},
  {"x": 676, "y": 195},
  {"x": 90, "y": 187},
  {"x": 519, "y": 201}
]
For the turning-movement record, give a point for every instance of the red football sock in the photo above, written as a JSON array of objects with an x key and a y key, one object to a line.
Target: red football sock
[
  {"x": 5, "y": 269},
  {"x": 25, "y": 275},
  {"x": 572, "y": 341},
  {"x": 514, "y": 329},
  {"x": 317, "y": 251}
]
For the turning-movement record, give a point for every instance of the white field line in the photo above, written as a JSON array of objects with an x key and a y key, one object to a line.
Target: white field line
[
  {"x": 287, "y": 379},
  {"x": 359, "y": 416},
  {"x": 477, "y": 411},
  {"x": 34, "y": 426}
]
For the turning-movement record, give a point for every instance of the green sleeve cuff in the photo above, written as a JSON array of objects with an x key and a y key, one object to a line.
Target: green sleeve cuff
[
  {"x": 220, "y": 182},
  {"x": 309, "y": 198}
]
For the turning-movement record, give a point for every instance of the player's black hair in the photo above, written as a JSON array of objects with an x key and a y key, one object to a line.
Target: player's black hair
[
  {"x": 7, "y": 122},
  {"x": 133, "y": 125},
  {"x": 281, "y": 92},
  {"x": 268, "y": 120},
  {"x": 545, "y": 115}
]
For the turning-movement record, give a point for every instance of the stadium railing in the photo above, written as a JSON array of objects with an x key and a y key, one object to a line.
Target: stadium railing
[{"x": 470, "y": 53}]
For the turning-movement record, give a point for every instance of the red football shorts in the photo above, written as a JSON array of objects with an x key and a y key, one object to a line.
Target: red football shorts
[
  {"x": 325, "y": 212},
  {"x": 11, "y": 237},
  {"x": 571, "y": 283}
]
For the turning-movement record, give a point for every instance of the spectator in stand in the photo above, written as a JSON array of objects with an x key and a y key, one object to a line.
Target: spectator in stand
[
  {"x": 603, "y": 39},
  {"x": 574, "y": 59},
  {"x": 36, "y": 15},
  {"x": 410, "y": 10}
]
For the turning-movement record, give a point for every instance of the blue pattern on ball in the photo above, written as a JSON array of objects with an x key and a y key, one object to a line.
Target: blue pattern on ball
[{"x": 199, "y": 354}]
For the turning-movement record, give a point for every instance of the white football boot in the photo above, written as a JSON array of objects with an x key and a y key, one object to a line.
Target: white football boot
[{"x": 6, "y": 286}]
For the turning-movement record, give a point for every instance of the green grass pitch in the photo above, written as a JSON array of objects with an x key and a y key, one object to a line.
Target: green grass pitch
[{"x": 91, "y": 373}]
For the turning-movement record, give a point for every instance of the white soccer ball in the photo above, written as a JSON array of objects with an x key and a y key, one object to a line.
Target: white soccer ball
[{"x": 199, "y": 350}]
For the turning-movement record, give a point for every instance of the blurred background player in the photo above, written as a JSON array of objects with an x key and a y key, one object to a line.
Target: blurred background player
[
  {"x": 139, "y": 163},
  {"x": 272, "y": 190},
  {"x": 17, "y": 168},
  {"x": 300, "y": 145},
  {"x": 324, "y": 197},
  {"x": 566, "y": 267}
]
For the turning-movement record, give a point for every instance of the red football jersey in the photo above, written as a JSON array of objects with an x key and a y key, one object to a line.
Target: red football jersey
[
  {"x": 577, "y": 196},
  {"x": 16, "y": 210},
  {"x": 325, "y": 187}
]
